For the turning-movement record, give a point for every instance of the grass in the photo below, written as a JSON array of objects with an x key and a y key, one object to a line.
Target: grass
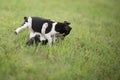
[{"x": 90, "y": 52}]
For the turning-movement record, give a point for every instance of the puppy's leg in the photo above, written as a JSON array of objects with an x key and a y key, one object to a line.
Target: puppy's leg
[
  {"x": 49, "y": 38},
  {"x": 43, "y": 39},
  {"x": 31, "y": 41},
  {"x": 44, "y": 42},
  {"x": 37, "y": 39},
  {"x": 32, "y": 38},
  {"x": 54, "y": 38},
  {"x": 20, "y": 28},
  {"x": 32, "y": 34}
]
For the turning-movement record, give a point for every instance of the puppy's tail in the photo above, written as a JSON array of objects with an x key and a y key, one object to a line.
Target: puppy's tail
[{"x": 45, "y": 25}]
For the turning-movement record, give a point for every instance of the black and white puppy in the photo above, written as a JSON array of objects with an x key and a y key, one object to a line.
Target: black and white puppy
[{"x": 46, "y": 28}]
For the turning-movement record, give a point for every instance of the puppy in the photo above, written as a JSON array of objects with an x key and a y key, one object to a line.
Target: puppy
[{"x": 46, "y": 28}]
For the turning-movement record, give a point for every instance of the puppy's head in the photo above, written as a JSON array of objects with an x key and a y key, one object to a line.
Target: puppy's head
[{"x": 67, "y": 28}]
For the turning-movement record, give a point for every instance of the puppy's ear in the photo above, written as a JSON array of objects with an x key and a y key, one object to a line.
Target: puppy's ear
[
  {"x": 26, "y": 19},
  {"x": 67, "y": 23}
]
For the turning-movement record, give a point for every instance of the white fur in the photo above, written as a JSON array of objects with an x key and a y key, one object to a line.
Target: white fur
[
  {"x": 27, "y": 24},
  {"x": 51, "y": 35},
  {"x": 32, "y": 33},
  {"x": 45, "y": 25},
  {"x": 20, "y": 28}
]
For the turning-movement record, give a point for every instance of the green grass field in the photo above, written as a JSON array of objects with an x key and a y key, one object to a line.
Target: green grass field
[{"x": 90, "y": 52}]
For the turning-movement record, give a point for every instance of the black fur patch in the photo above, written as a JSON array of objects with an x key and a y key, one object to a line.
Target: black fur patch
[
  {"x": 38, "y": 22},
  {"x": 60, "y": 27}
]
